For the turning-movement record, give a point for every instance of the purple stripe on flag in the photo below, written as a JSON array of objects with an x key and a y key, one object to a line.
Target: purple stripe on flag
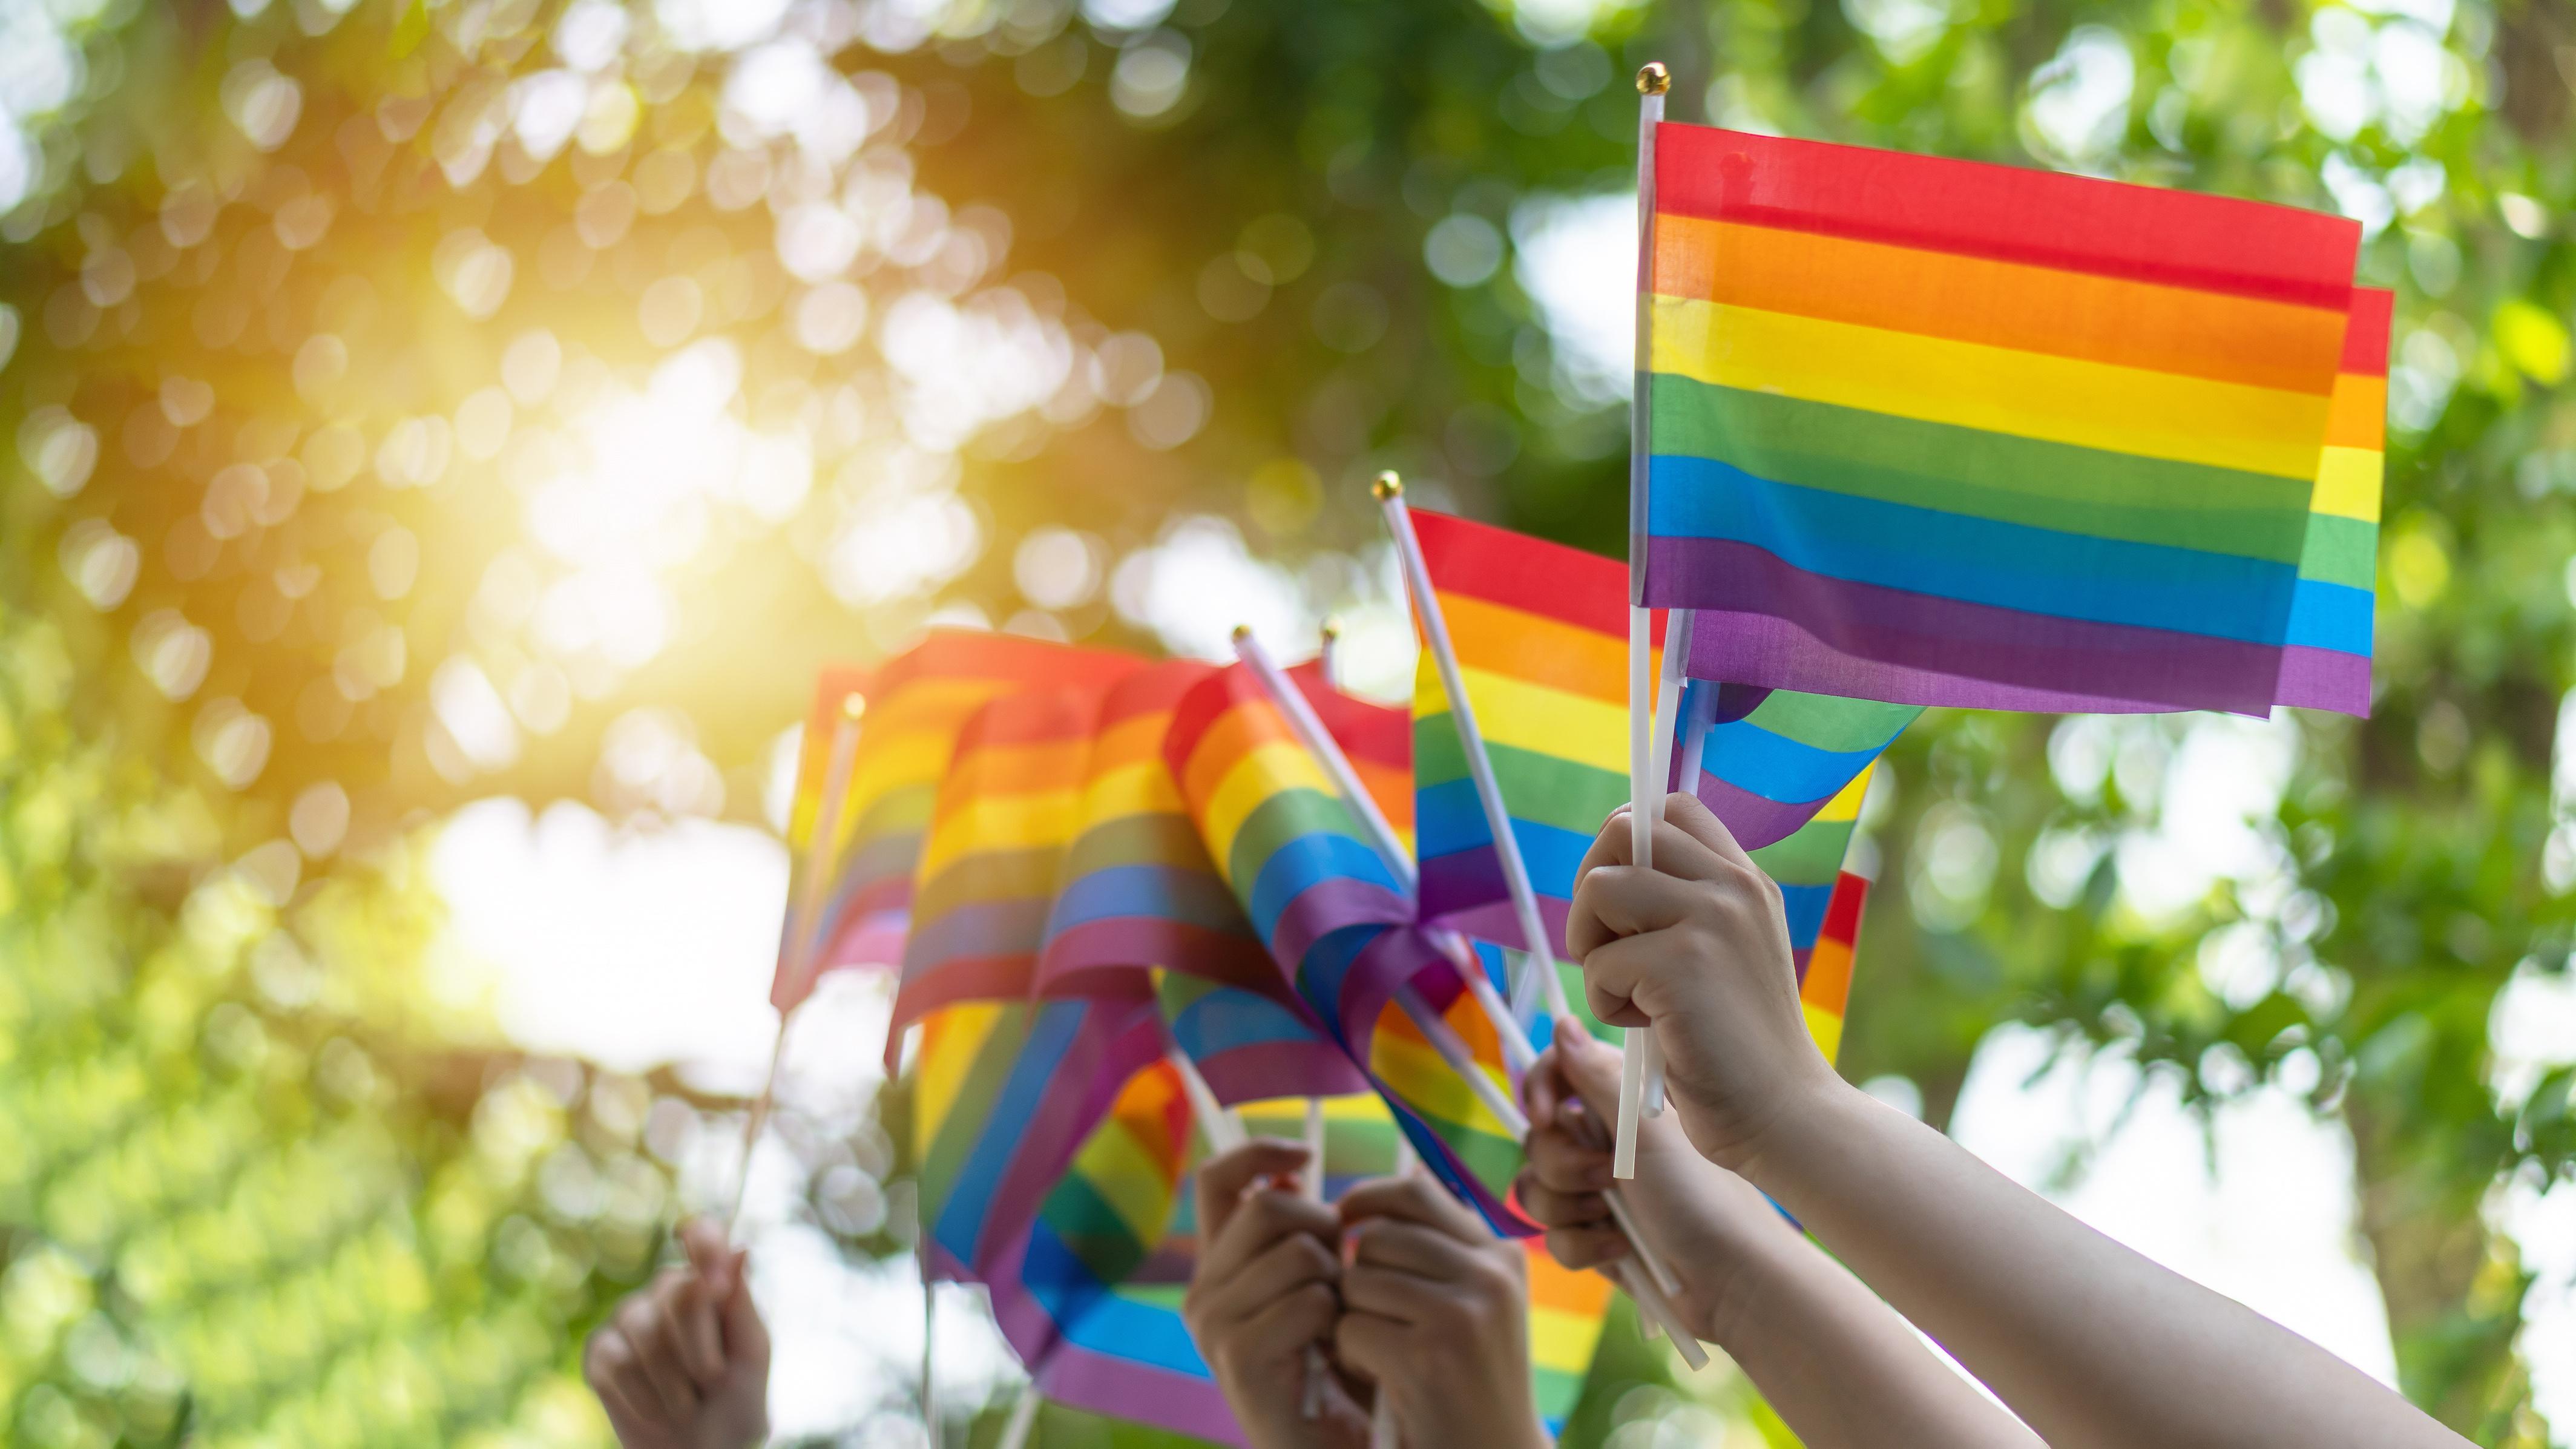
[
  {"x": 1114, "y": 1042},
  {"x": 1330, "y": 905},
  {"x": 873, "y": 939},
  {"x": 1315, "y": 1068},
  {"x": 1765, "y": 622},
  {"x": 1078, "y": 956},
  {"x": 2315, "y": 678},
  {"x": 1464, "y": 891},
  {"x": 1121, "y": 1388},
  {"x": 1397, "y": 957},
  {"x": 1754, "y": 821}
]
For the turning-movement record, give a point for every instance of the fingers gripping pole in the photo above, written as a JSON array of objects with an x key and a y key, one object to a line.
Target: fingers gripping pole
[{"x": 1652, "y": 1298}]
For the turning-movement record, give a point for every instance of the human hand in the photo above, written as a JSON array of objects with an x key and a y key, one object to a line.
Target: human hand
[
  {"x": 683, "y": 1363},
  {"x": 1264, "y": 1293},
  {"x": 1707, "y": 1223},
  {"x": 1697, "y": 948},
  {"x": 1436, "y": 1314}
]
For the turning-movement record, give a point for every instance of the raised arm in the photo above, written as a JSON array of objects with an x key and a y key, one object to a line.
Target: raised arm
[
  {"x": 1840, "y": 1367},
  {"x": 2089, "y": 1342}
]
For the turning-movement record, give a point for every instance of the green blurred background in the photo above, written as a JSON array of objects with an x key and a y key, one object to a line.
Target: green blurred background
[{"x": 409, "y": 408}]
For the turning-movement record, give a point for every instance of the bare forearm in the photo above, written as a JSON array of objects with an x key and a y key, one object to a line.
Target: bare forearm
[
  {"x": 1840, "y": 1367},
  {"x": 2089, "y": 1342}
]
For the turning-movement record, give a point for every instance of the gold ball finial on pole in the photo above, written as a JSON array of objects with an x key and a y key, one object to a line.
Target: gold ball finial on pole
[
  {"x": 854, "y": 706},
  {"x": 1242, "y": 632},
  {"x": 1332, "y": 630},
  {"x": 1387, "y": 486},
  {"x": 1653, "y": 79}
]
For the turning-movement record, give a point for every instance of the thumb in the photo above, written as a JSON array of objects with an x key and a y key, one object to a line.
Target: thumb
[
  {"x": 1591, "y": 1067},
  {"x": 746, "y": 1337}
]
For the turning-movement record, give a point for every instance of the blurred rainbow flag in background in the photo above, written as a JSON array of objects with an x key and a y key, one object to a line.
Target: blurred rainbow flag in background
[
  {"x": 1006, "y": 810},
  {"x": 1003, "y": 1093},
  {"x": 917, "y": 703},
  {"x": 1950, "y": 433}
]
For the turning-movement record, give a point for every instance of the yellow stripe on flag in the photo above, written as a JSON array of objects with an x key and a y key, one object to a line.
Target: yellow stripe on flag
[{"x": 1993, "y": 389}]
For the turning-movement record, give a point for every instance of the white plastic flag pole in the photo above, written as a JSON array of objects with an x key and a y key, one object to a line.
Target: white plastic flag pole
[
  {"x": 1024, "y": 1417},
  {"x": 1652, "y": 82},
  {"x": 1216, "y": 1122},
  {"x": 1319, "y": 742},
  {"x": 1646, "y": 1288},
  {"x": 929, "y": 1337},
  {"x": 797, "y": 951},
  {"x": 1538, "y": 976},
  {"x": 1668, "y": 698}
]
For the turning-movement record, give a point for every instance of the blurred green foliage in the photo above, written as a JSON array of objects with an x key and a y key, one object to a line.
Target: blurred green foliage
[{"x": 311, "y": 306}]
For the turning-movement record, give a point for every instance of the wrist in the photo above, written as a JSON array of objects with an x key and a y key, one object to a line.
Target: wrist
[{"x": 1810, "y": 1116}]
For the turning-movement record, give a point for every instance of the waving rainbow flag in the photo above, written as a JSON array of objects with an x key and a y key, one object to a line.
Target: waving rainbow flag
[
  {"x": 1005, "y": 813},
  {"x": 1003, "y": 1093},
  {"x": 2330, "y": 615},
  {"x": 1337, "y": 921},
  {"x": 1541, "y": 634},
  {"x": 917, "y": 703},
  {"x": 1941, "y": 432}
]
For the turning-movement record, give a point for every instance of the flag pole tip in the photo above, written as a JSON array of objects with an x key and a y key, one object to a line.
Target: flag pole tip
[
  {"x": 854, "y": 706},
  {"x": 1653, "y": 79},
  {"x": 1242, "y": 633},
  {"x": 1332, "y": 630},
  {"x": 1387, "y": 486}
]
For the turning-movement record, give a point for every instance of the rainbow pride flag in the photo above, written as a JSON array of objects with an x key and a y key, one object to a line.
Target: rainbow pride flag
[
  {"x": 1091, "y": 1301},
  {"x": 1336, "y": 919},
  {"x": 1004, "y": 815},
  {"x": 1003, "y": 1093},
  {"x": 1139, "y": 889},
  {"x": 1251, "y": 1045},
  {"x": 1825, "y": 965},
  {"x": 1294, "y": 855},
  {"x": 1541, "y": 634},
  {"x": 2328, "y": 666},
  {"x": 917, "y": 703},
  {"x": 1142, "y": 908},
  {"x": 1941, "y": 432}
]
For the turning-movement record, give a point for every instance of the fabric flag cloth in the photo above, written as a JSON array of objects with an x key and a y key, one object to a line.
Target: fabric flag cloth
[
  {"x": 1142, "y": 908},
  {"x": 1541, "y": 634},
  {"x": 2330, "y": 616},
  {"x": 1004, "y": 1092},
  {"x": 1336, "y": 919},
  {"x": 1004, "y": 815},
  {"x": 798, "y": 961},
  {"x": 917, "y": 704},
  {"x": 1825, "y": 964},
  {"x": 1949, "y": 433},
  {"x": 1091, "y": 1299}
]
